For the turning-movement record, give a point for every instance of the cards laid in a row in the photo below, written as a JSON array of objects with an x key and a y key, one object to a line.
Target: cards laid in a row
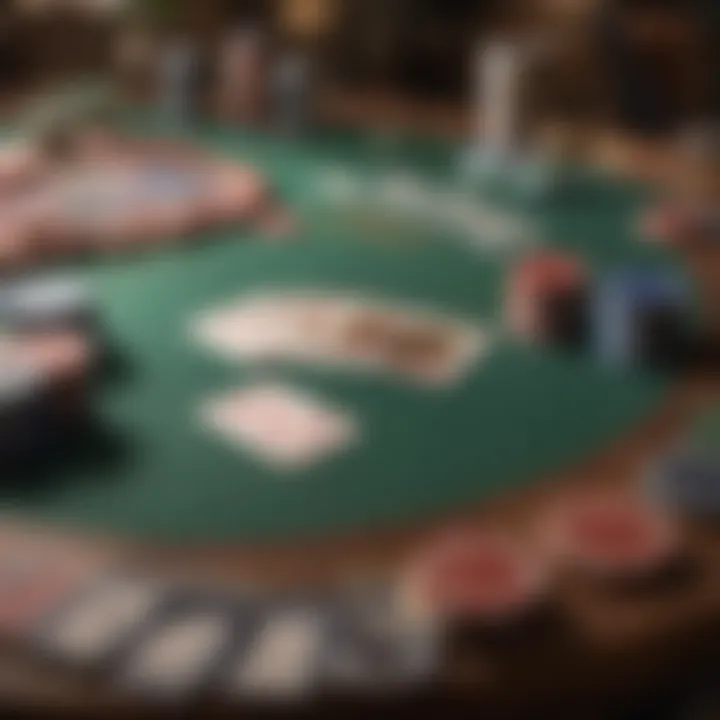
[
  {"x": 170, "y": 643},
  {"x": 344, "y": 330}
]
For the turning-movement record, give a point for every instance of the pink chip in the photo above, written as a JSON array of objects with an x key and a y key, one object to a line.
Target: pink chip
[
  {"x": 473, "y": 576},
  {"x": 612, "y": 534}
]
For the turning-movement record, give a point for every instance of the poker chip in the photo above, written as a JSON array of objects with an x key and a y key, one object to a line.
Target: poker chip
[
  {"x": 58, "y": 356},
  {"x": 687, "y": 481},
  {"x": 545, "y": 297},
  {"x": 611, "y": 535},
  {"x": 476, "y": 577},
  {"x": 547, "y": 270},
  {"x": 641, "y": 315}
]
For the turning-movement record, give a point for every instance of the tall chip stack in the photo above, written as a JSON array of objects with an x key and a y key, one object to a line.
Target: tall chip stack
[
  {"x": 641, "y": 317},
  {"x": 546, "y": 299},
  {"x": 688, "y": 478}
]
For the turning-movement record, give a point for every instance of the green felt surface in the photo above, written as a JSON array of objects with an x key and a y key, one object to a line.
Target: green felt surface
[{"x": 519, "y": 415}]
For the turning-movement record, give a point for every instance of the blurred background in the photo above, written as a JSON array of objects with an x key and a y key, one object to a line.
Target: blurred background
[{"x": 646, "y": 66}]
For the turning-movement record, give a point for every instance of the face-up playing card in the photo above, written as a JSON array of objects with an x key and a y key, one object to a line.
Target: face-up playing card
[
  {"x": 346, "y": 331},
  {"x": 97, "y": 622},
  {"x": 282, "y": 426},
  {"x": 281, "y": 659},
  {"x": 282, "y": 326},
  {"x": 179, "y": 654},
  {"x": 425, "y": 348}
]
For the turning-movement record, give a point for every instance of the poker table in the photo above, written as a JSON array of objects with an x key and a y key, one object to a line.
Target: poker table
[
  {"x": 520, "y": 414},
  {"x": 524, "y": 421}
]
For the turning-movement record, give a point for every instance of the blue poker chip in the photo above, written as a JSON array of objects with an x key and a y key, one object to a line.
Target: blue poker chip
[{"x": 688, "y": 480}]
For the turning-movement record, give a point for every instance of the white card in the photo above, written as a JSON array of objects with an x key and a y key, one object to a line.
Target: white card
[
  {"x": 95, "y": 623},
  {"x": 282, "y": 426},
  {"x": 176, "y": 653},
  {"x": 282, "y": 660},
  {"x": 341, "y": 330}
]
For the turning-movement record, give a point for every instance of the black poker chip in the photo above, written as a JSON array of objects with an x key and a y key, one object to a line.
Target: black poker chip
[{"x": 688, "y": 480}]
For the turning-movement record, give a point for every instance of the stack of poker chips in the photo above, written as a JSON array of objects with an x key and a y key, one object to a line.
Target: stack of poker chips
[
  {"x": 614, "y": 538},
  {"x": 473, "y": 583},
  {"x": 546, "y": 298},
  {"x": 688, "y": 477},
  {"x": 47, "y": 351},
  {"x": 640, "y": 317}
]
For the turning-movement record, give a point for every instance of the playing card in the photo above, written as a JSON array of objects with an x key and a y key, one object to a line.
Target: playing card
[
  {"x": 373, "y": 647},
  {"x": 180, "y": 651},
  {"x": 282, "y": 658},
  {"x": 282, "y": 426},
  {"x": 95, "y": 624},
  {"x": 420, "y": 346},
  {"x": 283, "y": 326},
  {"x": 347, "y": 331}
]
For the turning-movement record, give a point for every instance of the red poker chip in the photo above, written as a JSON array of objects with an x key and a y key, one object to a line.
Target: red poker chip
[
  {"x": 547, "y": 271},
  {"x": 611, "y": 534},
  {"x": 536, "y": 277},
  {"x": 472, "y": 576},
  {"x": 522, "y": 316}
]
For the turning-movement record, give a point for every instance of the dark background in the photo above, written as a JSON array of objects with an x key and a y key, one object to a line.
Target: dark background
[{"x": 649, "y": 64}]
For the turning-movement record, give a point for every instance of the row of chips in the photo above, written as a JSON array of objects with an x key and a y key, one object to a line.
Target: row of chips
[
  {"x": 688, "y": 476},
  {"x": 628, "y": 316},
  {"x": 172, "y": 641},
  {"x": 487, "y": 580},
  {"x": 615, "y": 538}
]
